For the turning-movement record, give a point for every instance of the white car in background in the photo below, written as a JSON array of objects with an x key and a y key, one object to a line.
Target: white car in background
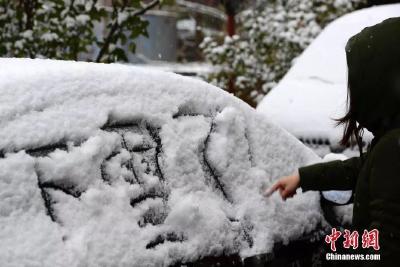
[
  {"x": 113, "y": 165},
  {"x": 314, "y": 91}
]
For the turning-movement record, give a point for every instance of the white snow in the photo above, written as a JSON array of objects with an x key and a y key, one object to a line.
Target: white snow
[
  {"x": 201, "y": 156},
  {"x": 122, "y": 17},
  {"x": 194, "y": 69},
  {"x": 82, "y": 19},
  {"x": 315, "y": 89},
  {"x": 186, "y": 25},
  {"x": 49, "y": 36}
]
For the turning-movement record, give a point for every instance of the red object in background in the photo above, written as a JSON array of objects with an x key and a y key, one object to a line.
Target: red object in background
[
  {"x": 230, "y": 25},
  {"x": 231, "y": 8}
]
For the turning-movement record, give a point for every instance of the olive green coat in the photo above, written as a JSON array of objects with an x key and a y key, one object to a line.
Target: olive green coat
[{"x": 373, "y": 58}]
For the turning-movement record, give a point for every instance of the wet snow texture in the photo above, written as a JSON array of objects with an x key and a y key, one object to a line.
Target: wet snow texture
[{"x": 109, "y": 165}]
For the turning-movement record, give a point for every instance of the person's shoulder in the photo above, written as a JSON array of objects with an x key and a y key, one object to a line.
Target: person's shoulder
[
  {"x": 388, "y": 145},
  {"x": 384, "y": 166},
  {"x": 391, "y": 137}
]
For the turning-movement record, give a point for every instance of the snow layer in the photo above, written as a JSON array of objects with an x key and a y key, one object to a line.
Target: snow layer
[
  {"x": 314, "y": 90},
  {"x": 111, "y": 165}
]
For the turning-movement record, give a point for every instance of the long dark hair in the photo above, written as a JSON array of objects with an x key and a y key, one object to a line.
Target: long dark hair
[{"x": 353, "y": 131}]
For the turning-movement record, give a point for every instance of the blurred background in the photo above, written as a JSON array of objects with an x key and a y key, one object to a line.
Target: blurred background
[{"x": 244, "y": 47}]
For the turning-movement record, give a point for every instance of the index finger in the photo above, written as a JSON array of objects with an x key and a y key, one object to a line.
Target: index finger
[{"x": 274, "y": 187}]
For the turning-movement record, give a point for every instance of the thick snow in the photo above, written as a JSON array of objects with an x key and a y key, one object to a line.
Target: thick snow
[
  {"x": 193, "y": 69},
  {"x": 111, "y": 165},
  {"x": 315, "y": 89}
]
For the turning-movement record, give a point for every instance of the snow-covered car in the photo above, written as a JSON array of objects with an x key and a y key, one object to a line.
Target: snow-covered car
[
  {"x": 113, "y": 165},
  {"x": 314, "y": 91}
]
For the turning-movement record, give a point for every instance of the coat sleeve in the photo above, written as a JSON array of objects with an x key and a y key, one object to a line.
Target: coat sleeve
[
  {"x": 384, "y": 205},
  {"x": 334, "y": 175}
]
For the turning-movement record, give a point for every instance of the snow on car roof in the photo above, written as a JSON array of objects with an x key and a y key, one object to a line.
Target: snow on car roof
[
  {"x": 113, "y": 165},
  {"x": 314, "y": 90}
]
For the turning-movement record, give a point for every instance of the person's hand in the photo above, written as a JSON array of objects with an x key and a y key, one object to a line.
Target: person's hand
[{"x": 286, "y": 185}]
